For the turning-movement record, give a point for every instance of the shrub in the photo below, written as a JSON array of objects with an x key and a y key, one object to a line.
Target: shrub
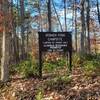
[
  {"x": 28, "y": 68},
  {"x": 90, "y": 57},
  {"x": 52, "y": 65},
  {"x": 89, "y": 62},
  {"x": 91, "y": 67},
  {"x": 39, "y": 95},
  {"x": 76, "y": 60}
]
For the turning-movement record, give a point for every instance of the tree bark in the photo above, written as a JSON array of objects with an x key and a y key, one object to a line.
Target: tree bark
[
  {"x": 88, "y": 24},
  {"x": 83, "y": 27},
  {"x": 5, "y": 47},
  {"x": 57, "y": 15},
  {"x": 98, "y": 11},
  {"x": 40, "y": 16},
  {"x": 49, "y": 15},
  {"x": 75, "y": 9},
  {"x": 22, "y": 29},
  {"x": 65, "y": 15}
]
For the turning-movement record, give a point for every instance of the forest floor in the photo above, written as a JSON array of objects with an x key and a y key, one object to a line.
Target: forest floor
[{"x": 76, "y": 86}]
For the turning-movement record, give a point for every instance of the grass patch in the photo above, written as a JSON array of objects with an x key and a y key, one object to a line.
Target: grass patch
[{"x": 27, "y": 68}]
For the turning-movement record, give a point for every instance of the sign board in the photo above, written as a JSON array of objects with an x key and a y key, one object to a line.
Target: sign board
[{"x": 54, "y": 42}]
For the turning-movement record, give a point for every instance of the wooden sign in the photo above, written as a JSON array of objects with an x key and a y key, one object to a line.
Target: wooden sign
[{"x": 54, "y": 42}]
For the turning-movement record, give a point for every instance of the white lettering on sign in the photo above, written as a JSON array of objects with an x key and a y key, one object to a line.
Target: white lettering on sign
[
  {"x": 51, "y": 35},
  {"x": 54, "y": 35},
  {"x": 53, "y": 41}
]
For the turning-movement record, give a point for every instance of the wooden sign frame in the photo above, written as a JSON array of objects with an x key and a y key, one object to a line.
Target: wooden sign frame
[{"x": 55, "y": 42}]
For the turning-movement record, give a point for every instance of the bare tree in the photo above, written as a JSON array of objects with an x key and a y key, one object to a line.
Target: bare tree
[
  {"x": 88, "y": 23},
  {"x": 83, "y": 26},
  {"x": 49, "y": 15},
  {"x": 65, "y": 15},
  {"x": 75, "y": 10},
  {"x": 5, "y": 45},
  {"x": 22, "y": 28},
  {"x": 98, "y": 11}
]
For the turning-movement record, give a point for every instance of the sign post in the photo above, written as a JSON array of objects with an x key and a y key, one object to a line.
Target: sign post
[{"x": 55, "y": 42}]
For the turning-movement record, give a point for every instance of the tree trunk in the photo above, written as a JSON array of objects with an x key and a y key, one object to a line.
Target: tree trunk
[
  {"x": 65, "y": 15},
  {"x": 14, "y": 37},
  {"x": 98, "y": 11},
  {"x": 57, "y": 16},
  {"x": 88, "y": 24},
  {"x": 49, "y": 15},
  {"x": 75, "y": 9},
  {"x": 22, "y": 29},
  {"x": 5, "y": 46},
  {"x": 40, "y": 18},
  {"x": 83, "y": 27}
]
